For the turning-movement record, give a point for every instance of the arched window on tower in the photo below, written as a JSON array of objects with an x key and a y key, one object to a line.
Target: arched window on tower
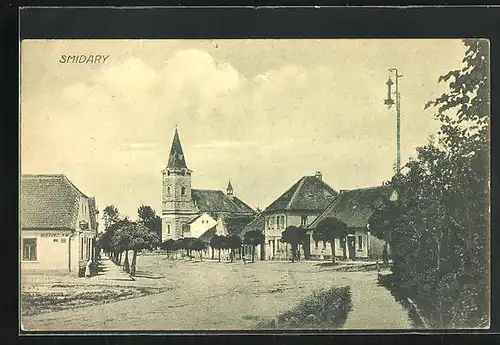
[
  {"x": 183, "y": 190},
  {"x": 168, "y": 190}
]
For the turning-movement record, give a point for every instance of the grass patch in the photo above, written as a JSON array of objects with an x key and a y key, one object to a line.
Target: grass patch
[
  {"x": 62, "y": 296},
  {"x": 325, "y": 309}
]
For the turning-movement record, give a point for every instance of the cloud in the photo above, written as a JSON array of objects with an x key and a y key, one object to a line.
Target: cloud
[{"x": 264, "y": 119}]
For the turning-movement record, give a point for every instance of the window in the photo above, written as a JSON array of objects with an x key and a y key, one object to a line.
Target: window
[
  {"x": 63, "y": 240},
  {"x": 29, "y": 249},
  {"x": 81, "y": 249},
  {"x": 316, "y": 244},
  {"x": 282, "y": 222},
  {"x": 168, "y": 190},
  {"x": 55, "y": 240},
  {"x": 303, "y": 221},
  {"x": 360, "y": 242},
  {"x": 324, "y": 244},
  {"x": 183, "y": 190},
  {"x": 278, "y": 221},
  {"x": 168, "y": 173},
  {"x": 168, "y": 228}
]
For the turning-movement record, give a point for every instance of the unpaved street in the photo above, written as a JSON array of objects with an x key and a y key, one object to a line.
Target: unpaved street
[{"x": 223, "y": 296}]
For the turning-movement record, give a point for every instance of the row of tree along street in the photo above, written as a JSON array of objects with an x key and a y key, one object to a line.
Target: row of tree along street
[{"x": 122, "y": 235}]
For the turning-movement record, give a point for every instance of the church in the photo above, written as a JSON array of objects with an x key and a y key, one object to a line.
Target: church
[{"x": 200, "y": 213}]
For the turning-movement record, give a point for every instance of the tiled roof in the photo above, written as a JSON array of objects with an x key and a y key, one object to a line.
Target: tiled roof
[
  {"x": 307, "y": 194},
  {"x": 176, "y": 159},
  {"x": 355, "y": 207},
  {"x": 235, "y": 225},
  {"x": 258, "y": 223},
  {"x": 192, "y": 219},
  {"x": 207, "y": 235},
  {"x": 211, "y": 201},
  {"x": 49, "y": 202},
  {"x": 244, "y": 207}
]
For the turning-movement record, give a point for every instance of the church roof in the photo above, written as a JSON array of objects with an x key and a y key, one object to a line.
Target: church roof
[
  {"x": 208, "y": 200},
  {"x": 242, "y": 205},
  {"x": 235, "y": 225},
  {"x": 176, "y": 160},
  {"x": 309, "y": 193},
  {"x": 49, "y": 202},
  {"x": 258, "y": 223},
  {"x": 355, "y": 207}
]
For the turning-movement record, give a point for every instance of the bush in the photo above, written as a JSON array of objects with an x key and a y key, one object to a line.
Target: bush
[{"x": 325, "y": 309}]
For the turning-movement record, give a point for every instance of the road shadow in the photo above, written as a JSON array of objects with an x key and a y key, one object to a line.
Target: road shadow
[{"x": 387, "y": 281}]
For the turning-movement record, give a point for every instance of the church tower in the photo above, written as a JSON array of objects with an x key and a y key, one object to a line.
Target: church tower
[{"x": 177, "y": 204}]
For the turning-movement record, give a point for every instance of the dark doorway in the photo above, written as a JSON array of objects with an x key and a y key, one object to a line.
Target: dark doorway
[{"x": 351, "y": 246}]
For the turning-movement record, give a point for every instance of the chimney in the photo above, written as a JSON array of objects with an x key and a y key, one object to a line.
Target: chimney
[
  {"x": 319, "y": 175},
  {"x": 342, "y": 191}
]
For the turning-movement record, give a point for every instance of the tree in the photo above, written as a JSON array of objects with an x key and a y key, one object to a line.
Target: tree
[
  {"x": 110, "y": 215},
  {"x": 169, "y": 245},
  {"x": 219, "y": 242},
  {"x": 328, "y": 230},
  {"x": 439, "y": 227},
  {"x": 141, "y": 238},
  {"x": 380, "y": 224},
  {"x": 234, "y": 242},
  {"x": 254, "y": 238},
  {"x": 185, "y": 244},
  {"x": 199, "y": 246},
  {"x": 108, "y": 242},
  {"x": 146, "y": 215},
  {"x": 294, "y": 236},
  {"x": 121, "y": 240}
]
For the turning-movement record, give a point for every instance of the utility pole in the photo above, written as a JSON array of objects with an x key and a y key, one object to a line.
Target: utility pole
[{"x": 389, "y": 102}]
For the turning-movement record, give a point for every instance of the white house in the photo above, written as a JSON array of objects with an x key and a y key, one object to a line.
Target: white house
[
  {"x": 355, "y": 208},
  {"x": 58, "y": 224},
  {"x": 298, "y": 206}
]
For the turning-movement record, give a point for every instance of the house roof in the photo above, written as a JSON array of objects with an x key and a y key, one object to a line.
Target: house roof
[
  {"x": 216, "y": 201},
  {"x": 356, "y": 206},
  {"x": 307, "y": 194},
  {"x": 235, "y": 225},
  {"x": 258, "y": 223},
  {"x": 49, "y": 202},
  {"x": 207, "y": 235},
  {"x": 176, "y": 159},
  {"x": 194, "y": 218}
]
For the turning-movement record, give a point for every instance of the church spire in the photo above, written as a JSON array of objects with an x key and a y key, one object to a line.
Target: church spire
[
  {"x": 229, "y": 189},
  {"x": 176, "y": 159}
]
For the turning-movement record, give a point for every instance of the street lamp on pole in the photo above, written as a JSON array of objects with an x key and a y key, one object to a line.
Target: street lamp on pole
[{"x": 389, "y": 102}]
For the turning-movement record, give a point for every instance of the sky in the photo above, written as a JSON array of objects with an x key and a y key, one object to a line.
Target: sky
[{"x": 262, "y": 113}]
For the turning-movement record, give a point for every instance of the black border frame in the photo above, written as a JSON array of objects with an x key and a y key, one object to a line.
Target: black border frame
[{"x": 249, "y": 22}]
